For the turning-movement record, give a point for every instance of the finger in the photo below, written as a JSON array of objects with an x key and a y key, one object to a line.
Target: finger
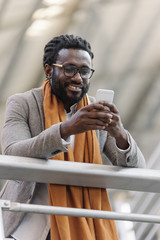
[
  {"x": 101, "y": 115},
  {"x": 111, "y": 106},
  {"x": 95, "y": 124},
  {"x": 110, "y": 122},
  {"x": 94, "y": 107}
]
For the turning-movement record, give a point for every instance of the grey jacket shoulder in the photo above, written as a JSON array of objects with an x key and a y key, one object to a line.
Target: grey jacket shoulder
[
  {"x": 30, "y": 101},
  {"x": 35, "y": 94}
]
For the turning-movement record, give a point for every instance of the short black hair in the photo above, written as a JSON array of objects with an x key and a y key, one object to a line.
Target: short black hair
[{"x": 53, "y": 47}]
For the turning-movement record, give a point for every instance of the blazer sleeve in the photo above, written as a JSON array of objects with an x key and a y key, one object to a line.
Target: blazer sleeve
[
  {"x": 22, "y": 134},
  {"x": 131, "y": 157}
]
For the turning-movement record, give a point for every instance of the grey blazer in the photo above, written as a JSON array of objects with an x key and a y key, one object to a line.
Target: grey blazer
[{"x": 24, "y": 134}]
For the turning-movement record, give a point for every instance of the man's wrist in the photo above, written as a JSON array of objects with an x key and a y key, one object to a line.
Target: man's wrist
[
  {"x": 122, "y": 141},
  {"x": 63, "y": 131}
]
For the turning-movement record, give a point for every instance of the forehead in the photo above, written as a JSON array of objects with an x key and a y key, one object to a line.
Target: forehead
[{"x": 74, "y": 56}]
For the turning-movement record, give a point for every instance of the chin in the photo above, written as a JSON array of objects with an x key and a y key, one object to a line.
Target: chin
[{"x": 73, "y": 100}]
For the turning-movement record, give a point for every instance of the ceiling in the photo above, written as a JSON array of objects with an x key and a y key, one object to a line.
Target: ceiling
[{"x": 125, "y": 37}]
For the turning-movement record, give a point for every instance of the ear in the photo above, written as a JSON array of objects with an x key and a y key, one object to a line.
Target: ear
[{"x": 48, "y": 70}]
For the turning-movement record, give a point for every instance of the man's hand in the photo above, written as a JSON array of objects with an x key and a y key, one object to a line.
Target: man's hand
[
  {"x": 90, "y": 117},
  {"x": 98, "y": 116},
  {"x": 115, "y": 127}
]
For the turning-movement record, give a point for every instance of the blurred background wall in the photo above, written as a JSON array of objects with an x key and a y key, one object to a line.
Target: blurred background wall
[{"x": 125, "y": 37}]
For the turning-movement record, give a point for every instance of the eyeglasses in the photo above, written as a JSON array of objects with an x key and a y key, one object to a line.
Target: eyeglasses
[{"x": 71, "y": 70}]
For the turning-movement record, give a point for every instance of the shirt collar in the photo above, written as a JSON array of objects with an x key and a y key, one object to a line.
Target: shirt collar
[{"x": 73, "y": 109}]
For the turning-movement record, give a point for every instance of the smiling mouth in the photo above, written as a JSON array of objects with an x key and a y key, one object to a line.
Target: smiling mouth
[{"x": 74, "y": 88}]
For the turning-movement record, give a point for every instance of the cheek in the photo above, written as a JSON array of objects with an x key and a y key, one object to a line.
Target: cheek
[
  {"x": 58, "y": 73},
  {"x": 86, "y": 83},
  {"x": 57, "y": 79}
]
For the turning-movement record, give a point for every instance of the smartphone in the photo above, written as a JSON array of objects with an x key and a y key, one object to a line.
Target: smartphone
[{"x": 105, "y": 95}]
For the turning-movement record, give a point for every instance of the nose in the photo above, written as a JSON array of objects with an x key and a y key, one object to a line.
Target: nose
[{"x": 77, "y": 77}]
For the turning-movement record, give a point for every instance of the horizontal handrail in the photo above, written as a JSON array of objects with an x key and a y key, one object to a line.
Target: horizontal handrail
[
  {"x": 77, "y": 212},
  {"x": 79, "y": 174}
]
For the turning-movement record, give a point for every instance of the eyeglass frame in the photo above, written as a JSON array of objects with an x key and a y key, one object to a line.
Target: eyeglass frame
[{"x": 76, "y": 68}]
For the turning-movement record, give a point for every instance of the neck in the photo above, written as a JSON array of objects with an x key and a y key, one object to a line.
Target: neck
[{"x": 67, "y": 107}]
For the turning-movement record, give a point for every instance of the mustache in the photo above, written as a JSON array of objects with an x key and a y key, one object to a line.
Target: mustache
[{"x": 73, "y": 83}]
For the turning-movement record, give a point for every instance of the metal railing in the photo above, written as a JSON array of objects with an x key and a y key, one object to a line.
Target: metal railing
[{"x": 77, "y": 174}]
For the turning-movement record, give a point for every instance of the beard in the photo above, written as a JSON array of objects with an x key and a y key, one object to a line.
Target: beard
[{"x": 59, "y": 90}]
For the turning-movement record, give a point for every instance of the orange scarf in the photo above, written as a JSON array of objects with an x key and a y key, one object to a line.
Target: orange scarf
[{"x": 86, "y": 149}]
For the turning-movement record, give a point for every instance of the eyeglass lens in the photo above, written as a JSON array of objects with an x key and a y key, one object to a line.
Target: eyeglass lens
[{"x": 84, "y": 72}]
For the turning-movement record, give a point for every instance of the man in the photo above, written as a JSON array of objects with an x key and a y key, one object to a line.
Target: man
[{"x": 58, "y": 121}]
